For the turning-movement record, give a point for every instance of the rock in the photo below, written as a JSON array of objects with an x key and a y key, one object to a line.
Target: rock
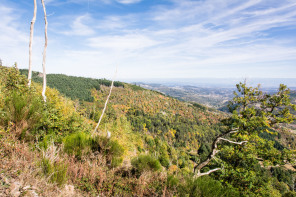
[
  {"x": 15, "y": 189},
  {"x": 108, "y": 134},
  {"x": 68, "y": 191},
  {"x": 31, "y": 193}
]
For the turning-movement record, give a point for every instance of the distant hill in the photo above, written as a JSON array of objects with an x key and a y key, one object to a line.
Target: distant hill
[
  {"x": 210, "y": 97},
  {"x": 71, "y": 86}
]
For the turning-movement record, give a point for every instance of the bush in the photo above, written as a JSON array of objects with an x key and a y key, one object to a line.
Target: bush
[
  {"x": 116, "y": 161},
  {"x": 110, "y": 148},
  {"x": 172, "y": 181},
  {"x": 114, "y": 148},
  {"x": 164, "y": 160},
  {"x": 80, "y": 143},
  {"x": 282, "y": 175},
  {"x": 290, "y": 194},
  {"x": 206, "y": 187},
  {"x": 57, "y": 171},
  {"x": 22, "y": 109},
  {"x": 145, "y": 163},
  {"x": 77, "y": 144}
]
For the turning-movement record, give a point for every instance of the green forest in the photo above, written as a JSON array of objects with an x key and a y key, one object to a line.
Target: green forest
[{"x": 148, "y": 144}]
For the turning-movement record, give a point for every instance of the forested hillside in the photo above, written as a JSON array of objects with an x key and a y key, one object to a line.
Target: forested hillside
[
  {"x": 156, "y": 146},
  {"x": 72, "y": 87}
]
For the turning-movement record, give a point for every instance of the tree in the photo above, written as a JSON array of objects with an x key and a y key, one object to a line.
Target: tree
[
  {"x": 44, "y": 52},
  {"x": 253, "y": 112},
  {"x": 30, "y": 44}
]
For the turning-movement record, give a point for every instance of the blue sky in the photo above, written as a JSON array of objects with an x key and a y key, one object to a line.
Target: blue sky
[{"x": 155, "y": 38}]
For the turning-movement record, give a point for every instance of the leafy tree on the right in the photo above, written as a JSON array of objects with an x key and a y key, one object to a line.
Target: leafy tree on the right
[{"x": 239, "y": 153}]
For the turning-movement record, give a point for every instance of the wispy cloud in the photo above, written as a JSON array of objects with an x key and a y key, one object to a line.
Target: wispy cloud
[
  {"x": 128, "y": 1},
  {"x": 123, "y": 42},
  {"x": 232, "y": 33},
  {"x": 79, "y": 27},
  {"x": 11, "y": 37},
  {"x": 188, "y": 37}
]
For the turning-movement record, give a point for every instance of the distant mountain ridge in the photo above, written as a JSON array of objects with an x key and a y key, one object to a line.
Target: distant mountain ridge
[{"x": 219, "y": 82}]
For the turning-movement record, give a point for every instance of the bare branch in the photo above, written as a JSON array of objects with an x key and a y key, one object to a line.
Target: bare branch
[
  {"x": 233, "y": 131},
  {"x": 44, "y": 53},
  {"x": 30, "y": 44},
  {"x": 105, "y": 104},
  {"x": 198, "y": 174},
  {"x": 214, "y": 149},
  {"x": 239, "y": 143}
]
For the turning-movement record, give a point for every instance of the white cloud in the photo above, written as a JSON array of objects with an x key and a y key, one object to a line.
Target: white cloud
[
  {"x": 128, "y": 1},
  {"x": 123, "y": 42},
  {"x": 111, "y": 23},
  {"x": 12, "y": 39},
  {"x": 233, "y": 35},
  {"x": 79, "y": 28}
]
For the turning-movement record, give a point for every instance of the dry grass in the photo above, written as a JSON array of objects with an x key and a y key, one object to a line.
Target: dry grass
[{"x": 21, "y": 174}]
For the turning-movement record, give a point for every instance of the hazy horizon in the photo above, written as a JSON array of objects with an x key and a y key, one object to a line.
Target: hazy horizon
[{"x": 219, "y": 82}]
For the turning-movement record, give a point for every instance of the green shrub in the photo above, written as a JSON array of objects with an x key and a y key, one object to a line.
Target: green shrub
[
  {"x": 281, "y": 186},
  {"x": 290, "y": 194},
  {"x": 206, "y": 187},
  {"x": 56, "y": 172},
  {"x": 86, "y": 185},
  {"x": 114, "y": 148},
  {"x": 164, "y": 160},
  {"x": 172, "y": 181},
  {"x": 46, "y": 140},
  {"x": 282, "y": 175},
  {"x": 115, "y": 151},
  {"x": 116, "y": 161},
  {"x": 77, "y": 144},
  {"x": 23, "y": 109},
  {"x": 110, "y": 148},
  {"x": 80, "y": 143},
  {"x": 145, "y": 163}
]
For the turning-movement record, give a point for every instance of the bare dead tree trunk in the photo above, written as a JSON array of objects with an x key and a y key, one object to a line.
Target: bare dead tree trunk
[
  {"x": 213, "y": 153},
  {"x": 105, "y": 104},
  {"x": 44, "y": 53},
  {"x": 30, "y": 43}
]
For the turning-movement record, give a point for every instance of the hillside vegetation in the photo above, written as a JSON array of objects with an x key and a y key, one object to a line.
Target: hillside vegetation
[
  {"x": 156, "y": 141},
  {"x": 70, "y": 86}
]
